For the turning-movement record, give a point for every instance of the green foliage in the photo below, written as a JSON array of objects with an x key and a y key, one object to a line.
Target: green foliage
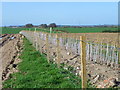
[
  {"x": 29, "y": 25},
  {"x": 35, "y": 72},
  {"x": 52, "y": 25},
  {"x": 43, "y": 25}
]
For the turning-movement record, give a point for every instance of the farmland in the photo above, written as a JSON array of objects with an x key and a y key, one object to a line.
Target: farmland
[
  {"x": 60, "y": 45},
  {"x": 65, "y": 49},
  {"x": 87, "y": 29},
  {"x": 99, "y": 32},
  {"x": 8, "y": 30},
  {"x": 70, "y": 41}
]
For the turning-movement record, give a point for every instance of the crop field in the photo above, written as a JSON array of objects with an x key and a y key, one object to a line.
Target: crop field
[
  {"x": 8, "y": 30},
  {"x": 88, "y": 29}
]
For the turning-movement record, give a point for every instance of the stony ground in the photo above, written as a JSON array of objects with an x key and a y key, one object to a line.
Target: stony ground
[{"x": 100, "y": 75}]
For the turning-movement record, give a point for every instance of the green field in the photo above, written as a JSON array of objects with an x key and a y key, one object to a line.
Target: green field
[
  {"x": 8, "y": 30},
  {"x": 17, "y": 30},
  {"x": 35, "y": 72},
  {"x": 88, "y": 29}
]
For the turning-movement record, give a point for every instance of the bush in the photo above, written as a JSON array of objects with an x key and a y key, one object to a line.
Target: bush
[{"x": 29, "y": 25}]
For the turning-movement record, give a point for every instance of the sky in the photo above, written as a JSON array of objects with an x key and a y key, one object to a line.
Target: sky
[{"x": 61, "y": 13}]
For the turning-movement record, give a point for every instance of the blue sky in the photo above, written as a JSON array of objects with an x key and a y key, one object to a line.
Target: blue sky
[{"x": 61, "y": 13}]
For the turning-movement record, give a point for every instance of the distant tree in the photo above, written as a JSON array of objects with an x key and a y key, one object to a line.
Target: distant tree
[
  {"x": 43, "y": 25},
  {"x": 29, "y": 25},
  {"x": 52, "y": 25}
]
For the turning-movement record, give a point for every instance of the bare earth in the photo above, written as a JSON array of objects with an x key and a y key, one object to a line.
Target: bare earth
[{"x": 8, "y": 51}]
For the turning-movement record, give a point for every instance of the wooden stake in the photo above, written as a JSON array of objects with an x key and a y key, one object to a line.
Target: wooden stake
[
  {"x": 57, "y": 49},
  {"x": 40, "y": 43},
  {"x": 83, "y": 61},
  {"x": 36, "y": 41},
  {"x": 47, "y": 48}
]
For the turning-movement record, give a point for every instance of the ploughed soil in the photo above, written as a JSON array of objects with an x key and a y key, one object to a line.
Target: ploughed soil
[{"x": 10, "y": 48}]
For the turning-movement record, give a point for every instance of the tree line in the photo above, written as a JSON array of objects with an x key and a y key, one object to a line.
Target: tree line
[{"x": 42, "y": 25}]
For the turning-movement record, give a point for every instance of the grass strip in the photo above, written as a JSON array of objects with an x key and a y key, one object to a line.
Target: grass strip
[{"x": 35, "y": 72}]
